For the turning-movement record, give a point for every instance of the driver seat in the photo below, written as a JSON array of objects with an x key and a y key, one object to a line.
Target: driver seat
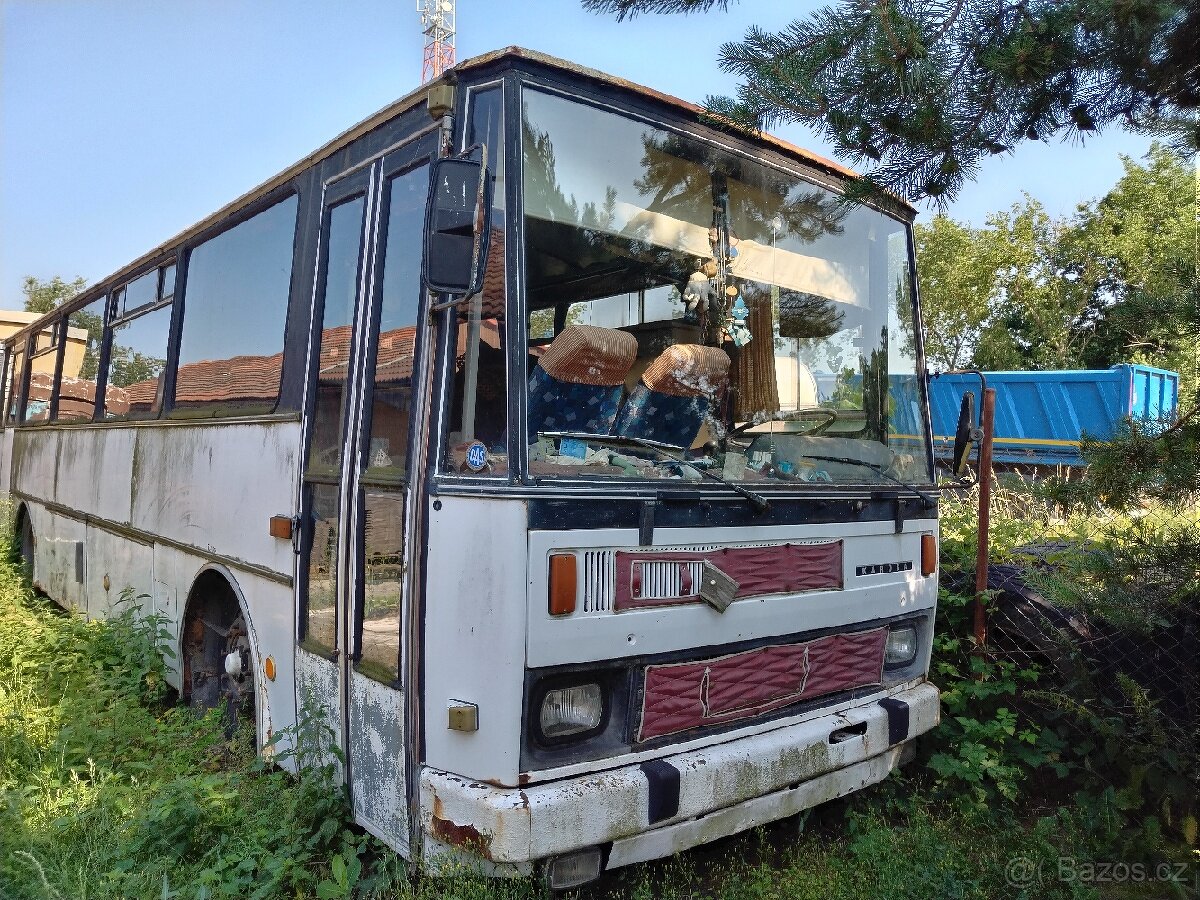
[
  {"x": 577, "y": 383},
  {"x": 677, "y": 393}
]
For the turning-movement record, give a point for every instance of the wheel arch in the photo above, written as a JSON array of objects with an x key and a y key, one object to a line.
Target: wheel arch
[
  {"x": 215, "y": 587},
  {"x": 22, "y": 518}
]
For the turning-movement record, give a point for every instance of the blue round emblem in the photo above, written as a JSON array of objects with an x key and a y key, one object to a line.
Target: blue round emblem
[{"x": 477, "y": 457}]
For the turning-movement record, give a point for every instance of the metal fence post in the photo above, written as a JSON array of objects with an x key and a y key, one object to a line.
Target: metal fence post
[{"x": 987, "y": 416}]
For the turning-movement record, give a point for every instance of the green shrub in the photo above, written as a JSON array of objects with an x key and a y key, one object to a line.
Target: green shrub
[{"x": 108, "y": 789}]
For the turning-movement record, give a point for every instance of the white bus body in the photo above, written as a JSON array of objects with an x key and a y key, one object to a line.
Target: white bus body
[{"x": 339, "y": 495}]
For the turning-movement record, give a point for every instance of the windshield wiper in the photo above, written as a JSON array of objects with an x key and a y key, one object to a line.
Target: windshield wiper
[
  {"x": 929, "y": 502},
  {"x": 758, "y": 501}
]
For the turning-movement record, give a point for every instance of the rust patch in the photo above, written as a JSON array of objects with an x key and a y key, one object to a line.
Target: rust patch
[
  {"x": 524, "y": 778},
  {"x": 466, "y": 836},
  {"x": 524, "y": 799}
]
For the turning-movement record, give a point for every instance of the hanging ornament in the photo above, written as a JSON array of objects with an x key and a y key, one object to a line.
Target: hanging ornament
[
  {"x": 739, "y": 331},
  {"x": 698, "y": 296}
]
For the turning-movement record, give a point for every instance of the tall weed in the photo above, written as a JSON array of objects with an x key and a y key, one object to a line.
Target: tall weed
[{"x": 108, "y": 789}]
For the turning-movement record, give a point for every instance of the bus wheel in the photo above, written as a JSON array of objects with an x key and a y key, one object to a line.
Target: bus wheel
[{"x": 217, "y": 665}]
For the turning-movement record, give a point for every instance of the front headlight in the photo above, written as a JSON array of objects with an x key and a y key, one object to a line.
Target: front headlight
[
  {"x": 901, "y": 646},
  {"x": 571, "y": 710}
]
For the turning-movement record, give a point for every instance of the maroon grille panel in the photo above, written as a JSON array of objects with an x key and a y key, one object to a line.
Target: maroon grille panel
[
  {"x": 680, "y": 696},
  {"x": 781, "y": 569}
]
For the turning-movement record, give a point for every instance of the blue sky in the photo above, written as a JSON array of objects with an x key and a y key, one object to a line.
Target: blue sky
[{"x": 122, "y": 122}]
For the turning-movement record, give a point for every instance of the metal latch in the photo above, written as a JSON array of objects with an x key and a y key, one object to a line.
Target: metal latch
[{"x": 463, "y": 716}]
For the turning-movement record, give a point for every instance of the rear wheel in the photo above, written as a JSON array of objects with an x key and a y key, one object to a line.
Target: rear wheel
[
  {"x": 25, "y": 545},
  {"x": 217, "y": 666}
]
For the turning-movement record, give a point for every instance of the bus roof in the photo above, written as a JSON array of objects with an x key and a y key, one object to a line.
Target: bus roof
[{"x": 412, "y": 99}]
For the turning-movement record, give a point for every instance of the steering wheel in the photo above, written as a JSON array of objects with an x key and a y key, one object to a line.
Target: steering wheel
[{"x": 793, "y": 416}]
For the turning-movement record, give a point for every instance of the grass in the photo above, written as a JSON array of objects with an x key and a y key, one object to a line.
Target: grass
[{"x": 108, "y": 789}]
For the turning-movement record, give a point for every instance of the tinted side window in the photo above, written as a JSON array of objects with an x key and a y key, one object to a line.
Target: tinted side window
[
  {"x": 135, "y": 366},
  {"x": 16, "y": 370},
  {"x": 142, "y": 291},
  {"x": 344, "y": 243},
  {"x": 41, "y": 374},
  {"x": 479, "y": 387},
  {"x": 235, "y": 309},
  {"x": 81, "y": 363},
  {"x": 391, "y": 395}
]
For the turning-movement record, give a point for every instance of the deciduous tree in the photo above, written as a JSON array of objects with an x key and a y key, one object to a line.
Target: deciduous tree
[
  {"x": 1114, "y": 283},
  {"x": 957, "y": 274},
  {"x": 1135, "y": 252},
  {"x": 43, "y": 296}
]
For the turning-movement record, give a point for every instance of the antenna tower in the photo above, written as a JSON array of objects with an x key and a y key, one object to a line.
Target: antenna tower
[{"x": 437, "y": 22}]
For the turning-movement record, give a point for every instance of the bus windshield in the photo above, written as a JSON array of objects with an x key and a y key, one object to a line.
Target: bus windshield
[{"x": 683, "y": 293}]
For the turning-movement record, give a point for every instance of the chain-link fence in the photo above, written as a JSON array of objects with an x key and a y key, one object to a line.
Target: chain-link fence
[{"x": 1103, "y": 606}]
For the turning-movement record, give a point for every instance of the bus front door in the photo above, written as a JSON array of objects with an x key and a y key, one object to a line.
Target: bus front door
[{"x": 368, "y": 391}]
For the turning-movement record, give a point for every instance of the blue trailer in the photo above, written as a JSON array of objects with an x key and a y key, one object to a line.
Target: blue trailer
[{"x": 1041, "y": 416}]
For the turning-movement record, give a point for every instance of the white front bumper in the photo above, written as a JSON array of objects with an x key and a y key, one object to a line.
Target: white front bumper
[{"x": 665, "y": 806}]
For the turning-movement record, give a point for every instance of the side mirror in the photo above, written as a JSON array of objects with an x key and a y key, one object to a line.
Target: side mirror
[
  {"x": 964, "y": 436},
  {"x": 457, "y": 232}
]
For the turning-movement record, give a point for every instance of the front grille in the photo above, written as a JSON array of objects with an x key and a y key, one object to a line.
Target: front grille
[
  {"x": 598, "y": 580},
  {"x": 732, "y": 687},
  {"x": 660, "y": 579}
]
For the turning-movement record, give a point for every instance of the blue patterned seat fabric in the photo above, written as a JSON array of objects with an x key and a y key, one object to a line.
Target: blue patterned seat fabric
[
  {"x": 653, "y": 416},
  {"x": 563, "y": 406}
]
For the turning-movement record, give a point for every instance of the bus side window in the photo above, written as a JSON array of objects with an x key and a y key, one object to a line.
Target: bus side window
[
  {"x": 81, "y": 364},
  {"x": 43, "y": 356},
  {"x": 479, "y": 380},
  {"x": 136, "y": 364},
  {"x": 16, "y": 370},
  {"x": 234, "y": 313},
  {"x": 137, "y": 358}
]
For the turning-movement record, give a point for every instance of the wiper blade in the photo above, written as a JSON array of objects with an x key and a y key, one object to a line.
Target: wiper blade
[
  {"x": 929, "y": 502},
  {"x": 616, "y": 440},
  {"x": 758, "y": 501}
]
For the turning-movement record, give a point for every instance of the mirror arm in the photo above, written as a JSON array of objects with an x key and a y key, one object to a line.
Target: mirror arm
[{"x": 448, "y": 304}]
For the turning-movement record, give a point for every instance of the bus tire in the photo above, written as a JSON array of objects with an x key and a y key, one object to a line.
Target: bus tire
[{"x": 218, "y": 666}]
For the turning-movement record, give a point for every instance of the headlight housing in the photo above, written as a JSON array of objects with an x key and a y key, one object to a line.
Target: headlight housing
[
  {"x": 571, "y": 710},
  {"x": 902, "y": 645}
]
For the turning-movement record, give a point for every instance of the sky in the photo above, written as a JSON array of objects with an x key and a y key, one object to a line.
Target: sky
[{"x": 122, "y": 122}]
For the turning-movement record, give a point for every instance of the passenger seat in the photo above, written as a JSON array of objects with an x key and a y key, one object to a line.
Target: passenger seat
[{"x": 677, "y": 393}]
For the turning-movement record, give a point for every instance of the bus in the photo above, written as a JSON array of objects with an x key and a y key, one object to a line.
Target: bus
[{"x": 490, "y": 434}]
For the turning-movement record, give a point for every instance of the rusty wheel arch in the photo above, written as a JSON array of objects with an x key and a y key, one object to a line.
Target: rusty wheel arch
[{"x": 215, "y": 623}]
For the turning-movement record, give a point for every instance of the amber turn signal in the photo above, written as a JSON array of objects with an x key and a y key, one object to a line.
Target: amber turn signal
[
  {"x": 929, "y": 554},
  {"x": 562, "y": 584}
]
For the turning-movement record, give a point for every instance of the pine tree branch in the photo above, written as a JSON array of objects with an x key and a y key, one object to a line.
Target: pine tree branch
[{"x": 924, "y": 91}]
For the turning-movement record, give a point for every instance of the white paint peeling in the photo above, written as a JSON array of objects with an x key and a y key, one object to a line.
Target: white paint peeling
[{"x": 750, "y": 780}]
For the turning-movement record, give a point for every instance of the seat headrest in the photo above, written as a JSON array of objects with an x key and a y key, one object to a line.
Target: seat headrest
[
  {"x": 688, "y": 370},
  {"x": 586, "y": 354}
]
